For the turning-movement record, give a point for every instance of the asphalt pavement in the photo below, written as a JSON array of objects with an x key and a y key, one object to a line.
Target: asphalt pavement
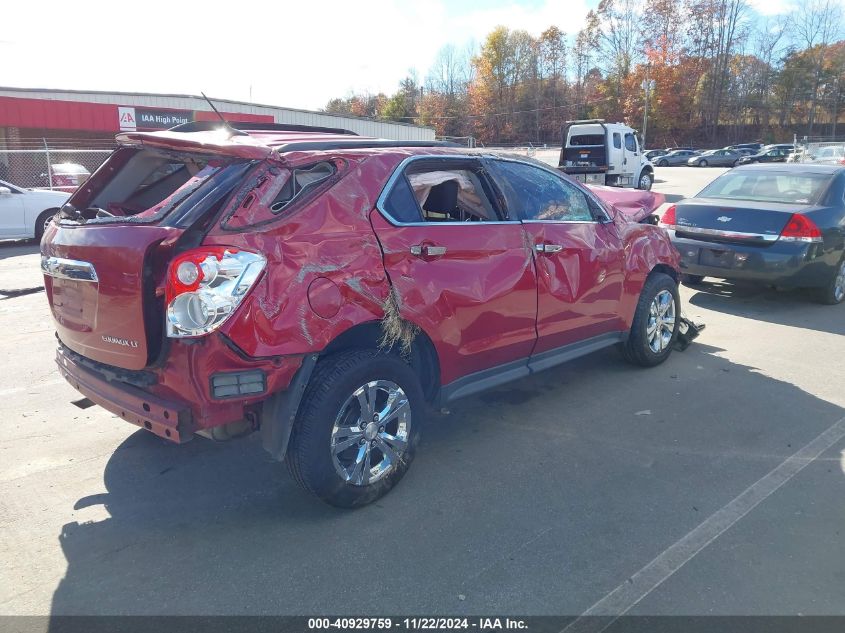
[{"x": 713, "y": 484}]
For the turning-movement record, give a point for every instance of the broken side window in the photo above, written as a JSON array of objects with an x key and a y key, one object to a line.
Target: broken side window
[
  {"x": 451, "y": 195},
  {"x": 300, "y": 182}
]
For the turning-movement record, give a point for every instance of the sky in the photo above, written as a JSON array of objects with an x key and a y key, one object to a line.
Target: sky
[{"x": 286, "y": 53}]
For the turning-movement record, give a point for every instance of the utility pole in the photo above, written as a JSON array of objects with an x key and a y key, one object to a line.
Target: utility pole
[
  {"x": 835, "y": 106},
  {"x": 646, "y": 87}
]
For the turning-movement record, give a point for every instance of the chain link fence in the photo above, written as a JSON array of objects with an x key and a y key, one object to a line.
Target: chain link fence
[
  {"x": 59, "y": 169},
  {"x": 819, "y": 150}
]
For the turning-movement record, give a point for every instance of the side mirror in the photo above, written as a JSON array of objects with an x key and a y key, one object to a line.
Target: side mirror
[{"x": 5, "y": 191}]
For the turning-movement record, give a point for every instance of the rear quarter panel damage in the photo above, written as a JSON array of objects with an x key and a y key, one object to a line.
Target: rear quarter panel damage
[{"x": 326, "y": 245}]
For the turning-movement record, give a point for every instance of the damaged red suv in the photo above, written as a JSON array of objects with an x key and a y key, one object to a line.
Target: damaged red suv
[{"x": 326, "y": 290}]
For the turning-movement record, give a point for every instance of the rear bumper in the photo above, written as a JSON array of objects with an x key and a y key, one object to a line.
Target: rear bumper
[
  {"x": 169, "y": 419},
  {"x": 176, "y": 400},
  {"x": 785, "y": 264}
]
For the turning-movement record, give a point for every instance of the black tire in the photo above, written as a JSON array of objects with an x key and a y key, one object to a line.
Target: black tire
[
  {"x": 736, "y": 162},
  {"x": 41, "y": 221},
  {"x": 702, "y": 163},
  {"x": 636, "y": 349},
  {"x": 832, "y": 294},
  {"x": 692, "y": 280},
  {"x": 663, "y": 163},
  {"x": 646, "y": 180},
  {"x": 334, "y": 381}
]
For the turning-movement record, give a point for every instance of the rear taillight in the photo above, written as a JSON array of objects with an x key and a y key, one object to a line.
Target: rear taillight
[
  {"x": 800, "y": 228},
  {"x": 668, "y": 219},
  {"x": 205, "y": 286}
]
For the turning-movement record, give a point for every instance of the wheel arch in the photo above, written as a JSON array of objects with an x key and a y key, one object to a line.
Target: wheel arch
[
  {"x": 278, "y": 412},
  {"x": 42, "y": 214},
  {"x": 666, "y": 270},
  {"x": 421, "y": 356}
]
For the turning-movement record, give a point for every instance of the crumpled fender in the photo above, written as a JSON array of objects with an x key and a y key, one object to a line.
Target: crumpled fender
[
  {"x": 634, "y": 204},
  {"x": 646, "y": 247}
]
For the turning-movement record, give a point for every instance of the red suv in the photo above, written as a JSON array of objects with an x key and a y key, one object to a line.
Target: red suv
[{"x": 327, "y": 290}]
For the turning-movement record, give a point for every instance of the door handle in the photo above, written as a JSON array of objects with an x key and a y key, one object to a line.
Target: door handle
[
  {"x": 427, "y": 251},
  {"x": 548, "y": 248}
]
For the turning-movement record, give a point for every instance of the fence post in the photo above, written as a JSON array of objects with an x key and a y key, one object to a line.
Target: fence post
[{"x": 49, "y": 164}]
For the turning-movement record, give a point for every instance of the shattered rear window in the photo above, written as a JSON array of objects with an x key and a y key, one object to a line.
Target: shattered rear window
[{"x": 140, "y": 185}]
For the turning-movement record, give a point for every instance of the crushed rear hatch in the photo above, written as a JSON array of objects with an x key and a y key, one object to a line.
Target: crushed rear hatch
[{"x": 105, "y": 259}]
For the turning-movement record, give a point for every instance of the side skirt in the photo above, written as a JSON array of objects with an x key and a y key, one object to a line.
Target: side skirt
[{"x": 495, "y": 376}]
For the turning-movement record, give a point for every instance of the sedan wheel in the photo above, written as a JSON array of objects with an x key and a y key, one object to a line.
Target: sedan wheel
[
  {"x": 834, "y": 292},
  {"x": 702, "y": 163},
  {"x": 42, "y": 222},
  {"x": 663, "y": 163},
  {"x": 839, "y": 284}
]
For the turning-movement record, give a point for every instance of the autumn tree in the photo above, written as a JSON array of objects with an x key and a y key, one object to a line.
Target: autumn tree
[{"x": 816, "y": 24}]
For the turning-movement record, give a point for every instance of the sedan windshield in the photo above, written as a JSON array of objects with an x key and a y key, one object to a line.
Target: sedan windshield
[{"x": 795, "y": 188}]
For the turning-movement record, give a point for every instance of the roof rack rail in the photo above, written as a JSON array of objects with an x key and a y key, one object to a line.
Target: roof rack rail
[
  {"x": 316, "y": 146},
  {"x": 240, "y": 126}
]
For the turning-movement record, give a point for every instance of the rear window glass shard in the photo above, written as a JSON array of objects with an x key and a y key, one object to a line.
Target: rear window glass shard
[{"x": 301, "y": 181}]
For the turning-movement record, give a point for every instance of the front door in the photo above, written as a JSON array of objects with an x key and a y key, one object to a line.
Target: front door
[
  {"x": 577, "y": 254},
  {"x": 631, "y": 160},
  {"x": 459, "y": 269}
]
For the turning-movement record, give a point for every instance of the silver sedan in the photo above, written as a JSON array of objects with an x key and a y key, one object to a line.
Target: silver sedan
[
  {"x": 715, "y": 158},
  {"x": 678, "y": 157}
]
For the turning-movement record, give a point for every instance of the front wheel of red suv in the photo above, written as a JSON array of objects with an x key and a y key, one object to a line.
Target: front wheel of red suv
[
  {"x": 656, "y": 321},
  {"x": 357, "y": 428}
]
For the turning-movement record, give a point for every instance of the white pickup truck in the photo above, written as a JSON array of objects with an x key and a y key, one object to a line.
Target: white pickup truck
[{"x": 602, "y": 153}]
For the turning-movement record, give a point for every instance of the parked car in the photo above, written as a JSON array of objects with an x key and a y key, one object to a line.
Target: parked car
[
  {"x": 715, "y": 158},
  {"x": 789, "y": 147},
  {"x": 776, "y": 224},
  {"x": 773, "y": 155},
  {"x": 832, "y": 155},
  {"x": 745, "y": 152},
  {"x": 653, "y": 154},
  {"x": 24, "y": 213},
  {"x": 678, "y": 157},
  {"x": 753, "y": 146},
  {"x": 325, "y": 289},
  {"x": 65, "y": 176}
]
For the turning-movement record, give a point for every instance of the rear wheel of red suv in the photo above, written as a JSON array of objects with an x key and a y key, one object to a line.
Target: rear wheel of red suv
[
  {"x": 656, "y": 321},
  {"x": 357, "y": 428}
]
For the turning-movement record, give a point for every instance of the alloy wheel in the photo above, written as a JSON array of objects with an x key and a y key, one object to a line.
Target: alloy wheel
[
  {"x": 839, "y": 284},
  {"x": 661, "y": 321},
  {"x": 371, "y": 432}
]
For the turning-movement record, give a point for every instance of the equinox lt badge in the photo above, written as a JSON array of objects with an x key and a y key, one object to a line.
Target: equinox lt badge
[{"x": 120, "y": 341}]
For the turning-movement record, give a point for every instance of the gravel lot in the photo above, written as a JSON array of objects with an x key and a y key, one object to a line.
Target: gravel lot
[{"x": 712, "y": 484}]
